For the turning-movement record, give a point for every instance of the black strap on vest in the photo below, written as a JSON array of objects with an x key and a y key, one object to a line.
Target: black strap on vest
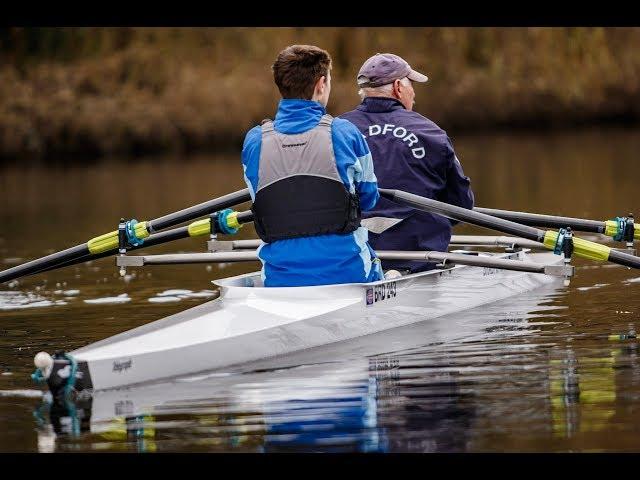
[{"x": 303, "y": 206}]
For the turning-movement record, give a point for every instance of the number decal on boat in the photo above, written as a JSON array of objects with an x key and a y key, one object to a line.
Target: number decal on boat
[{"x": 378, "y": 293}]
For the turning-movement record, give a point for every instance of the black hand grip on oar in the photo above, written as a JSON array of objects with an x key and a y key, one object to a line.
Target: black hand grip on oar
[
  {"x": 582, "y": 248},
  {"x": 109, "y": 241}
]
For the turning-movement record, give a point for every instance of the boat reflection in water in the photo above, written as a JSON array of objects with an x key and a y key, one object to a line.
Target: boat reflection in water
[{"x": 402, "y": 390}]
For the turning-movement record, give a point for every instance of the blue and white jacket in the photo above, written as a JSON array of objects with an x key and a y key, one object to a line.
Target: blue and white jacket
[{"x": 321, "y": 259}]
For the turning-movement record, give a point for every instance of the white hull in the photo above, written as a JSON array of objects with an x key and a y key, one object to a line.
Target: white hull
[
  {"x": 325, "y": 372},
  {"x": 249, "y": 323}
]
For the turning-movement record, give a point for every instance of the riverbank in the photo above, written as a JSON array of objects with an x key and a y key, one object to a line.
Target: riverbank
[{"x": 142, "y": 91}]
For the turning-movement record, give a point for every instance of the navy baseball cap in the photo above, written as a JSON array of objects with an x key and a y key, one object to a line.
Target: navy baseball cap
[{"x": 384, "y": 68}]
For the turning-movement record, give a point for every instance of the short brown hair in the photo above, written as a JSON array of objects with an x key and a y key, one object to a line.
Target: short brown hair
[{"x": 297, "y": 69}]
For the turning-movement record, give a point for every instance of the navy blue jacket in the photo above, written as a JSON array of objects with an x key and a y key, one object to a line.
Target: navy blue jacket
[{"x": 410, "y": 153}]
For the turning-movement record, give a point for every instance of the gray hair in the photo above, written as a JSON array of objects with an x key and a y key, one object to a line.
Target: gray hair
[{"x": 382, "y": 90}]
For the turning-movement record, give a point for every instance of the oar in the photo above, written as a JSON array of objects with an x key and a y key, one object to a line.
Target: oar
[
  {"x": 550, "y": 239},
  {"x": 227, "y": 223},
  {"x": 137, "y": 231},
  {"x": 620, "y": 228}
]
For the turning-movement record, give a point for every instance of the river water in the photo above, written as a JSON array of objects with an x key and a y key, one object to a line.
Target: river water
[{"x": 538, "y": 372}]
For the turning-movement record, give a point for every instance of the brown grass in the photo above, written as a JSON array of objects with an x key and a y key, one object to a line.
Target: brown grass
[{"x": 137, "y": 91}]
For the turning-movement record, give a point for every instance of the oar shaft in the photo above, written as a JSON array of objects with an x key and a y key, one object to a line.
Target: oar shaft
[
  {"x": 155, "y": 239},
  {"x": 200, "y": 210},
  {"x": 245, "y": 217},
  {"x": 49, "y": 261},
  {"x": 464, "y": 215},
  {"x": 581, "y": 248},
  {"x": 548, "y": 221},
  {"x": 624, "y": 259}
]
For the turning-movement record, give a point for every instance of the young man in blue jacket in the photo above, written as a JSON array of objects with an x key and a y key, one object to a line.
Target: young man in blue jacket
[
  {"x": 410, "y": 153},
  {"x": 309, "y": 176}
]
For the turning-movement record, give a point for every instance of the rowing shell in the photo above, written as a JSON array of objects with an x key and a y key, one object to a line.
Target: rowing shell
[{"x": 249, "y": 322}]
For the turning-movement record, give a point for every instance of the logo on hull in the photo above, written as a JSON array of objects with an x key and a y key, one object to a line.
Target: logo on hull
[{"x": 122, "y": 366}]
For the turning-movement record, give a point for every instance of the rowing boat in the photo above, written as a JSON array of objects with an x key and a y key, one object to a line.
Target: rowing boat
[
  {"x": 367, "y": 366},
  {"x": 248, "y": 322}
]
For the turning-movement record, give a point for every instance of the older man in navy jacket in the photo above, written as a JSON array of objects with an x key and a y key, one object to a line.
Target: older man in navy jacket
[{"x": 410, "y": 153}]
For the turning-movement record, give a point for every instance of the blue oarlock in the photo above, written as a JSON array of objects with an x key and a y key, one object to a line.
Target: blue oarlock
[
  {"x": 130, "y": 231},
  {"x": 222, "y": 222}
]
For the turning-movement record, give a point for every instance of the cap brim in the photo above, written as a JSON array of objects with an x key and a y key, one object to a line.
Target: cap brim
[{"x": 417, "y": 76}]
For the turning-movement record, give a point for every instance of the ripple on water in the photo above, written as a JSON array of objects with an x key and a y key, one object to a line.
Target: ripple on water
[
  {"x": 174, "y": 292},
  {"x": 597, "y": 285},
  {"x": 21, "y": 393},
  {"x": 122, "y": 298},
  {"x": 176, "y": 295},
  {"x": 164, "y": 299},
  {"x": 12, "y": 260},
  {"x": 67, "y": 293},
  {"x": 20, "y": 300}
]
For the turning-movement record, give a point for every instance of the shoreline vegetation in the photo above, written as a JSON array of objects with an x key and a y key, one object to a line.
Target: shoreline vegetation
[{"x": 93, "y": 92}]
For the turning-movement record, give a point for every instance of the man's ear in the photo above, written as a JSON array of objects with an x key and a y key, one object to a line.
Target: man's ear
[
  {"x": 321, "y": 84},
  {"x": 396, "y": 88}
]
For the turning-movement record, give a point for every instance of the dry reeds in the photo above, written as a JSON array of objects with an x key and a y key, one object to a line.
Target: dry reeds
[{"x": 136, "y": 91}]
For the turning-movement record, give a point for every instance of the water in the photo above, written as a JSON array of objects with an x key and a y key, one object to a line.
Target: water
[{"x": 534, "y": 373}]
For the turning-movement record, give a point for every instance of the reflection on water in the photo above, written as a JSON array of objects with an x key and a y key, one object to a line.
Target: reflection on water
[{"x": 537, "y": 372}]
